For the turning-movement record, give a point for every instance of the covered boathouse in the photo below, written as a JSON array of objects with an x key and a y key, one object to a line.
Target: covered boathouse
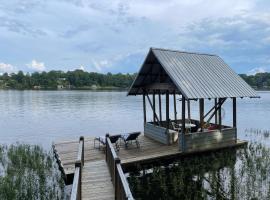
[{"x": 189, "y": 77}]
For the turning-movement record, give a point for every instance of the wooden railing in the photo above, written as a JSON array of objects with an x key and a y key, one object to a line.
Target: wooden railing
[
  {"x": 121, "y": 186},
  {"x": 60, "y": 165},
  {"x": 77, "y": 183}
]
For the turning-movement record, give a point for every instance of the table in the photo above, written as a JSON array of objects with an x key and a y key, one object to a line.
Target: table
[{"x": 187, "y": 125}]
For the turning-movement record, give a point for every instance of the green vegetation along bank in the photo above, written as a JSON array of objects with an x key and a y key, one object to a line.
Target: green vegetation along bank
[
  {"x": 79, "y": 79},
  {"x": 29, "y": 172}
]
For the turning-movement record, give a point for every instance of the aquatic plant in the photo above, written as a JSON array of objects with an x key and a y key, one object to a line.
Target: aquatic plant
[
  {"x": 228, "y": 174},
  {"x": 29, "y": 172}
]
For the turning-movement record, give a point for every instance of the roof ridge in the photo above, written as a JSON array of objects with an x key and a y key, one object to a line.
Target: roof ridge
[{"x": 173, "y": 50}]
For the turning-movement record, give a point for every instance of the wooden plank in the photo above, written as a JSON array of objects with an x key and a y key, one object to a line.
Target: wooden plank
[
  {"x": 96, "y": 181},
  {"x": 76, "y": 186}
]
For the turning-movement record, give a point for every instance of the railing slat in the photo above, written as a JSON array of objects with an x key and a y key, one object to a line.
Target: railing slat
[
  {"x": 76, "y": 187},
  {"x": 121, "y": 186},
  {"x": 124, "y": 184},
  {"x": 75, "y": 192}
]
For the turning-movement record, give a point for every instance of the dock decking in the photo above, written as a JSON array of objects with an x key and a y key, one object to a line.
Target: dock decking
[{"x": 96, "y": 179}]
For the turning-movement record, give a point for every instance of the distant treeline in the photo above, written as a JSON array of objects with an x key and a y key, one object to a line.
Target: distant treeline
[
  {"x": 80, "y": 79},
  {"x": 259, "y": 81},
  {"x": 77, "y": 79}
]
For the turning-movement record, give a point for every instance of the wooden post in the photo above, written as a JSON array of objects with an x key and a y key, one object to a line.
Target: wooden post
[
  {"x": 82, "y": 140},
  {"x": 160, "y": 111},
  {"x": 219, "y": 114},
  {"x": 183, "y": 128},
  {"x": 116, "y": 186},
  {"x": 201, "y": 102},
  {"x": 234, "y": 113},
  {"x": 106, "y": 147},
  {"x": 174, "y": 103},
  {"x": 215, "y": 110},
  {"x": 144, "y": 109},
  {"x": 167, "y": 109},
  {"x": 188, "y": 104},
  {"x": 154, "y": 107}
]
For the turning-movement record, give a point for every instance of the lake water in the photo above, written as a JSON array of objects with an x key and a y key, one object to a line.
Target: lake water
[{"x": 41, "y": 117}]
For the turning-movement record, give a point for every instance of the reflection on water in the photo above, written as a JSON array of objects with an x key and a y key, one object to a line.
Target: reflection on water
[
  {"x": 227, "y": 174},
  {"x": 41, "y": 117}
]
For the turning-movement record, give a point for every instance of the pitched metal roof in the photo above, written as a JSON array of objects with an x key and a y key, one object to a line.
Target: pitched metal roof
[{"x": 195, "y": 75}]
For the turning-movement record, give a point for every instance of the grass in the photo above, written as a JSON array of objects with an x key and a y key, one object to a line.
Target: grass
[
  {"x": 29, "y": 172},
  {"x": 228, "y": 174}
]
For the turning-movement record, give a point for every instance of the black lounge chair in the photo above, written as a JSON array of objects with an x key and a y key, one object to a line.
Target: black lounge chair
[
  {"x": 129, "y": 137},
  {"x": 102, "y": 140}
]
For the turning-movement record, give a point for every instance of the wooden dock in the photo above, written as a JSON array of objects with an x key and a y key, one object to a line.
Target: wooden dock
[{"x": 98, "y": 176}]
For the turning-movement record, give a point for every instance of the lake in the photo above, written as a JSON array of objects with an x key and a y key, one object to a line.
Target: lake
[{"x": 41, "y": 117}]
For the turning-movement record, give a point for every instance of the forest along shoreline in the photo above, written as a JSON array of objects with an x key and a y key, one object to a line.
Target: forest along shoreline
[{"x": 82, "y": 80}]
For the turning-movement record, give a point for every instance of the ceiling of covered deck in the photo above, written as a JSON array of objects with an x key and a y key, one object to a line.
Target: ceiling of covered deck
[
  {"x": 153, "y": 78},
  {"x": 193, "y": 75}
]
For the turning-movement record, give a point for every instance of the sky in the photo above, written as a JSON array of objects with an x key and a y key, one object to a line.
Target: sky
[{"x": 115, "y": 35}]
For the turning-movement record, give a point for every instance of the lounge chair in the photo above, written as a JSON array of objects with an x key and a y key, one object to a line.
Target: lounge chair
[
  {"x": 129, "y": 137},
  {"x": 176, "y": 127},
  {"x": 102, "y": 140}
]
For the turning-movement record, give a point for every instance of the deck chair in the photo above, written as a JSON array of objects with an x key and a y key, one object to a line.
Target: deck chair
[
  {"x": 128, "y": 138},
  {"x": 176, "y": 127},
  {"x": 114, "y": 140},
  {"x": 102, "y": 140}
]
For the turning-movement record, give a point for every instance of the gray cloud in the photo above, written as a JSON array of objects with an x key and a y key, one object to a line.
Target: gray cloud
[{"x": 17, "y": 26}]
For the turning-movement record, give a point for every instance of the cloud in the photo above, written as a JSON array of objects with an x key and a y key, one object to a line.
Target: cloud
[
  {"x": 256, "y": 70},
  {"x": 99, "y": 65},
  {"x": 4, "y": 67},
  {"x": 115, "y": 35},
  {"x": 36, "y": 66}
]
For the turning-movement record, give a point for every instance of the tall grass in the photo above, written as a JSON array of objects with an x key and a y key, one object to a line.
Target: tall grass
[
  {"x": 228, "y": 174},
  {"x": 29, "y": 172}
]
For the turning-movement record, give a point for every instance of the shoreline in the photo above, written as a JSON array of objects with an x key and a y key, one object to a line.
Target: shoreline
[{"x": 90, "y": 89}]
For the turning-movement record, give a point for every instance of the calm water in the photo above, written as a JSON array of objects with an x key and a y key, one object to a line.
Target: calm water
[{"x": 40, "y": 117}]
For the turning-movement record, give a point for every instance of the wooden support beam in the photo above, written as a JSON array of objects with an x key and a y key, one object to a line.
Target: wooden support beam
[
  {"x": 188, "y": 105},
  {"x": 174, "y": 103},
  {"x": 219, "y": 113},
  {"x": 154, "y": 107},
  {"x": 234, "y": 113},
  {"x": 167, "y": 109},
  {"x": 144, "y": 109},
  {"x": 183, "y": 128},
  {"x": 201, "y": 102},
  {"x": 151, "y": 105},
  {"x": 160, "y": 110},
  {"x": 215, "y": 111}
]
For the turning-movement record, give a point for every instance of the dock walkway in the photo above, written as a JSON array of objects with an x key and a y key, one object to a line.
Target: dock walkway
[{"x": 97, "y": 183}]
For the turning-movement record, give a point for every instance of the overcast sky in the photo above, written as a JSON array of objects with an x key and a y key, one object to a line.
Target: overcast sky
[{"x": 115, "y": 35}]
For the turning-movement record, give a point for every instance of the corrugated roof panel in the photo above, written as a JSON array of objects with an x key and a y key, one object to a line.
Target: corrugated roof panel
[{"x": 200, "y": 75}]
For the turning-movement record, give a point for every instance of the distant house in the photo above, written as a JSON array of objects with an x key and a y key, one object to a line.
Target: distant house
[
  {"x": 94, "y": 87},
  {"x": 37, "y": 87},
  {"x": 59, "y": 87}
]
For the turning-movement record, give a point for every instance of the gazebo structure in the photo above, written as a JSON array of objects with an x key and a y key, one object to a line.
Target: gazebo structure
[{"x": 194, "y": 77}]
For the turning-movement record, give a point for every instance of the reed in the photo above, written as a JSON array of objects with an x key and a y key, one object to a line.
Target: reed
[
  {"x": 228, "y": 174},
  {"x": 29, "y": 172}
]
